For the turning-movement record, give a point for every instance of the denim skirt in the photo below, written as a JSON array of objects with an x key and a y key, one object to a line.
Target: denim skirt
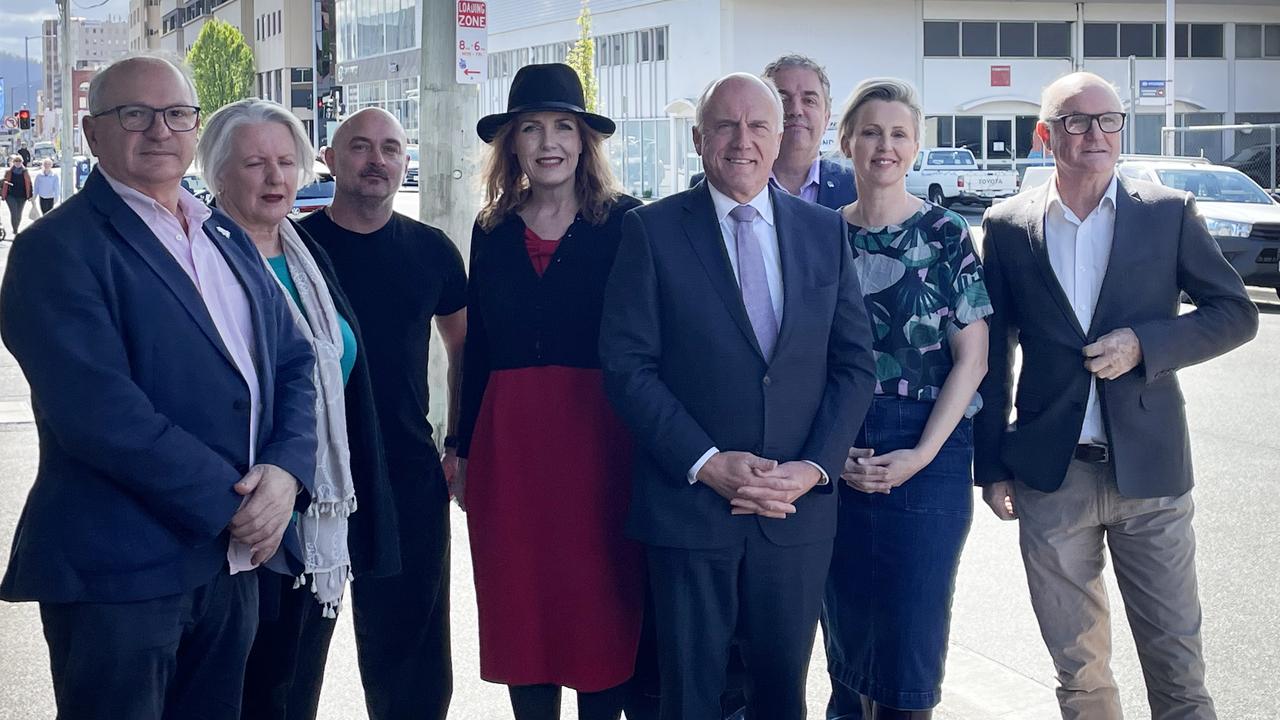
[{"x": 887, "y": 610}]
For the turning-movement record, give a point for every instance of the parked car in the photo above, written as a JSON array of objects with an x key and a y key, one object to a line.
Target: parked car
[
  {"x": 1240, "y": 215},
  {"x": 1257, "y": 161},
  {"x": 411, "y": 174},
  {"x": 45, "y": 149},
  {"x": 316, "y": 196},
  {"x": 945, "y": 176}
]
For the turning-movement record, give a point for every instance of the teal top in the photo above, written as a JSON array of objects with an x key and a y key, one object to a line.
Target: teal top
[{"x": 281, "y": 269}]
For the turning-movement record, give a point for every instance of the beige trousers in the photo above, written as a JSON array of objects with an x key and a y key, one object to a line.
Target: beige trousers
[{"x": 1064, "y": 535}]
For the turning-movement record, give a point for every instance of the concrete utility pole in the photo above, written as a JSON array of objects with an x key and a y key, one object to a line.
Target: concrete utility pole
[
  {"x": 448, "y": 194},
  {"x": 68, "y": 97}
]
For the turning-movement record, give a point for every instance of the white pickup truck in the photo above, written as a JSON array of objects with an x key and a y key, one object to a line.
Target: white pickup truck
[{"x": 949, "y": 175}]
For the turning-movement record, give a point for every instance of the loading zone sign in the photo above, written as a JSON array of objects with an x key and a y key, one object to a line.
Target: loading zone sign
[{"x": 473, "y": 42}]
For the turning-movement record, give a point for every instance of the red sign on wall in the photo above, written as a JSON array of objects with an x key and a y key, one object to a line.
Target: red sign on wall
[{"x": 1001, "y": 76}]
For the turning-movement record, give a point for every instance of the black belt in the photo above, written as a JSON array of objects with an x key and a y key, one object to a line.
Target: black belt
[{"x": 1093, "y": 453}]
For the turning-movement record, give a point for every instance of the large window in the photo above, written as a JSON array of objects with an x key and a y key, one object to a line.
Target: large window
[
  {"x": 1146, "y": 40},
  {"x": 367, "y": 28},
  {"x": 953, "y": 38},
  {"x": 1257, "y": 41},
  {"x": 979, "y": 39}
]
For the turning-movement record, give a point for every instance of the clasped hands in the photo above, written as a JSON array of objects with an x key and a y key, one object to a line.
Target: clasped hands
[
  {"x": 758, "y": 486},
  {"x": 269, "y": 494}
]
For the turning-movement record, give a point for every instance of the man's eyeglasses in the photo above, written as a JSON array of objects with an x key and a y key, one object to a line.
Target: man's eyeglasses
[
  {"x": 140, "y": 118},
  {"x": 1079, "y": 123}
]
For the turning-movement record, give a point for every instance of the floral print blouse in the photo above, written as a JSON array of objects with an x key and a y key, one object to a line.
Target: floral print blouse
[{"x": 922, "y": 283}]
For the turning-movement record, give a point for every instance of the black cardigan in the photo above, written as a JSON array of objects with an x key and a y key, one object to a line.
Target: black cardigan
[
  {"x": 373, "y": 536},
  {"x": 516, "y": 319}
]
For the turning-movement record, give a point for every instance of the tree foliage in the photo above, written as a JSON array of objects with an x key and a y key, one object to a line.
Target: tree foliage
[
  {"x": 222, "y": 66},
  {"x": 582, "y": 57}
]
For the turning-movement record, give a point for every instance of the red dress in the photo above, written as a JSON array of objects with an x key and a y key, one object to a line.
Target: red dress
[{"x": 560, "y": 590}]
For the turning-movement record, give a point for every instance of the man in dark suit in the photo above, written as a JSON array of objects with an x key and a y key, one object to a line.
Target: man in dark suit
[
  {"x": 800, "y": 170},
  {"x": 736, "y": 346},
  {"x": 1085, "y": 275},
  {"x": 176, "y": 419}
]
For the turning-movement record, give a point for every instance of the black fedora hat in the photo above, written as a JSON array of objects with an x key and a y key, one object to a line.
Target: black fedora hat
[{"x": 541, "y": 88}]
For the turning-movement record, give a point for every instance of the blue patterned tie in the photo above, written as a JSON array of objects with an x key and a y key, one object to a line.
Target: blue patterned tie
[{"x": 752, "y": 280}]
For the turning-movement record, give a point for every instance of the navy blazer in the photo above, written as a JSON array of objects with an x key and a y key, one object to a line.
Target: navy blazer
[
  {"x": 836, "y": 187},
  {"x": 142, "y": 416},
  {"x": 683, "y": 368},
  {"x": 1160, "y": 249}
]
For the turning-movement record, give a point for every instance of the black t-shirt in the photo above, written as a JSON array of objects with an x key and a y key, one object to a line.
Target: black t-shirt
[{"x": 397, "y": 278}]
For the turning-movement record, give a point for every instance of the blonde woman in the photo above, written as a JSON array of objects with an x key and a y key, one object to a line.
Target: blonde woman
[{"x": 906, "y": 499}]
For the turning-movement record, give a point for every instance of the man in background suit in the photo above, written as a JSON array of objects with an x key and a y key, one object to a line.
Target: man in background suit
[
  {"x": 800, "y": 170},
  {"x": 176, "y": 419},
  {"x": 736, "y": 346},
  {"x": 1085, "y": 275}
]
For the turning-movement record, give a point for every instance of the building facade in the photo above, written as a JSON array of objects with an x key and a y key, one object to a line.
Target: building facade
[
  {"x": 287, "y": 38},
  {"x": 94, "y": 43},
  {"x": 980, "y": 65},
  {"x": 377, "y": 48}
]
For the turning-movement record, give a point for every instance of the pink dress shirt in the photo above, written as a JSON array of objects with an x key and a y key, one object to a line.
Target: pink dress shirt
[{"x": 224, "y": 297}]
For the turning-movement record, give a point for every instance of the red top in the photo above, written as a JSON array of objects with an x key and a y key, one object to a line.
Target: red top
[{"x": 540, "y": 251}]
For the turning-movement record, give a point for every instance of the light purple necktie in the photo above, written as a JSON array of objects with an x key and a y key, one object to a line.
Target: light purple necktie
[{"x": 752, "y": 280}]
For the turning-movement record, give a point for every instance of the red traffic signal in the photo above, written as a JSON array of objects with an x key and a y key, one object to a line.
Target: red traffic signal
[{"x": 24, "y": 119}]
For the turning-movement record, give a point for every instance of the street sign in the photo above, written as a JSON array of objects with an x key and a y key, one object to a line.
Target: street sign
[
  {"x": 10, "y": 122},
  {"x": 1151, "y": 92},
  {"x": 472, "y": 62}
]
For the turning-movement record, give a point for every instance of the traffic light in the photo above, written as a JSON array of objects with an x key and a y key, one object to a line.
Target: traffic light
[{"x": 24, "y": 119}]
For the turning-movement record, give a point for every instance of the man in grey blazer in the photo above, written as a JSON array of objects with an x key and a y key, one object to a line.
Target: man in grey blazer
[{"x": 1085, "y": 276}]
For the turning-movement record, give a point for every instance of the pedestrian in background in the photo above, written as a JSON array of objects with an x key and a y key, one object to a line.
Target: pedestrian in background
[
  {"x": 907, "y": 497},
  {"x": 254, "y": 154},
  {"x": 16, "y": 189},
  {"x": 398, "y": 274},
  {"x": 545, "y": 461},
  {"x": 48, "y": 186},
  {"x": 1085, "y": 273}
]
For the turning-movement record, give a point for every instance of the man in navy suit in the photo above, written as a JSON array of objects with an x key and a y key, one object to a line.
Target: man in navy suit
[
  {"x": 800, "y": 169},
  {"x": 176, "y": 419},
  {"x": 736, "y": 346}
]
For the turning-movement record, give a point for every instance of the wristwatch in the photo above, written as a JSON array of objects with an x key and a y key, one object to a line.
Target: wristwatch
[{"x": 451, "y": 442}]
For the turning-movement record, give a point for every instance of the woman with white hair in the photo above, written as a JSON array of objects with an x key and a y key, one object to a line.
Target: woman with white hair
[
  {"x": 906, "y": 499},
  {"x": 253, "y": 155}
]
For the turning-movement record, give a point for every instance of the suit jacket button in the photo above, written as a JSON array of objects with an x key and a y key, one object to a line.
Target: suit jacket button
[
  {"x": 241, "y": 405},
  {"x": 767, "y": 381}
]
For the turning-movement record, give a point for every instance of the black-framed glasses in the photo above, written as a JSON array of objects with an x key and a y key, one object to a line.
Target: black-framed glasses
[
  {"x": 140, "y": 118},
  {"x": 1079, "y": 123}
]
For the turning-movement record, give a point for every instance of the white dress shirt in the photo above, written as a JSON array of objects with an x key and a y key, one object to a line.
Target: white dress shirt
[
  {"x": 1079, "y": 251},
  {"x": 766, "y": 233}
]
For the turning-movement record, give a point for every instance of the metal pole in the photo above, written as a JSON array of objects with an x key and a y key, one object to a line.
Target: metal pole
[
  {"x": 1272, "y": 155},
  {"x": 315, "y": 72},
  {"x": 68, "y": 92},
  {"x": 1132, "y": 124},
  {"x": 1170, "y": 49}
]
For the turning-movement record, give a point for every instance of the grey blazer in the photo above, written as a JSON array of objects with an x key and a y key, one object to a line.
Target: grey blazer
[{"x": 1161, "y": 248}]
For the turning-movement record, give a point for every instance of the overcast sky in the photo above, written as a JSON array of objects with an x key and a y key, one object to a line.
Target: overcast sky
[{"x": 19, "y": 18}]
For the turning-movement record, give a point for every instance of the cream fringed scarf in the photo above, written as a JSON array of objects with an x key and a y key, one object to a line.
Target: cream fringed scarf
[{"x": 323, "y": 529}]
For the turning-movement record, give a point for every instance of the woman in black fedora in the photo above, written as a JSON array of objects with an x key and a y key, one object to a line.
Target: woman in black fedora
[{"x": 545, "y": 466}]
